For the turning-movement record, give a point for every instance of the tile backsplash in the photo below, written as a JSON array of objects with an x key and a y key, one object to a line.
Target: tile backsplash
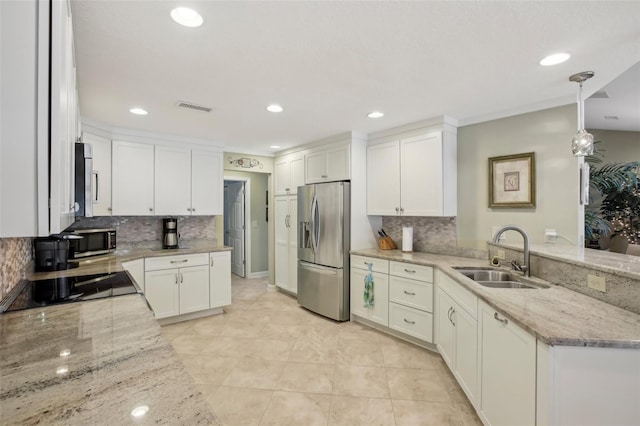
[
  {"x": 430, "y": 234},
  {"x": 15, "y": 254},
  {"x": 146, "y": 231}
]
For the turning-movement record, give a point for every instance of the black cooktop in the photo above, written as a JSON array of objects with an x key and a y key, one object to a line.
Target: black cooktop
[{"x": 34, "y": 294}]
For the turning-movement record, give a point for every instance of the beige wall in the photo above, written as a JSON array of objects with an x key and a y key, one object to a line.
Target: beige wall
[
  {"x": 618, "y": 146},
  {"x": 548, "y": 133}
]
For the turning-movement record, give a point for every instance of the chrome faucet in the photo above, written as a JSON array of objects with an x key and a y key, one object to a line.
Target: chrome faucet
[{"x": 496, "y": 239}]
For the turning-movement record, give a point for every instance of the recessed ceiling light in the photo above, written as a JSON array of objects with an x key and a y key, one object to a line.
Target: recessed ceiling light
[
  {"x": 274, "y": 108},
  {"x": 555, "y": 59},
  {"x": 375, "y": 114},
  {"x": 275, "y": 146},
  {"x": 187, "y": 17},
  {"x": 138, "y": 111},
  {"x": 140, "y": 411}
]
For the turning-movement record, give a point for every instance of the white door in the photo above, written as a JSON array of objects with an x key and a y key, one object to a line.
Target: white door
[
  {"x": 206, "y": 183},
  {"x": 315, "y": 169},
  {"x": 194, "y": 289},
  {"x": 282, "y": 241},
  {"x": 219, "y": 279},
  {"x": 235, "y": 231},
  {"x": 172, "y": 181},
  {"x": 445, "y": 327},
  {"x": 132, "y": 179},
  {"x": 162, "y": 291},
  {"x": 293, "y": 245},
  {"x": 383, "y": 179},
  {"x": 101, "y": 182},
  {"x": 421, "y": 175}
]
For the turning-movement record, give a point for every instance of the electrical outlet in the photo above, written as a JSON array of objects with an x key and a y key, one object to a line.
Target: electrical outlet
[
  {"x": 550, "y": 236},
  {"x": 501, "y": 254},
  {"x": 597, "y": 283}
]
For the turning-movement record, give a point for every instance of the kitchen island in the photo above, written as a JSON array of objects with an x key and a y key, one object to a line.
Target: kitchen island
[{"x": 93, "y": 362}]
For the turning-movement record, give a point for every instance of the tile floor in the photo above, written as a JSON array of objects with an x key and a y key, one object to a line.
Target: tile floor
[{"x": 267, "y": 361}]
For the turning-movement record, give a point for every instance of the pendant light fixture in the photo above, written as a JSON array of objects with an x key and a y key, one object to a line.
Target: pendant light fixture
[{"x": 582, "y": 143}]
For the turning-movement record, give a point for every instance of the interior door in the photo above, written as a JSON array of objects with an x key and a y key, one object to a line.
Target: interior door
[{"x": 236, "y": 227}]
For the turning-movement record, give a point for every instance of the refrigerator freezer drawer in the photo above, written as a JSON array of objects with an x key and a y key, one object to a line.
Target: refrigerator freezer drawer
[{"x": 323, "y": 290}]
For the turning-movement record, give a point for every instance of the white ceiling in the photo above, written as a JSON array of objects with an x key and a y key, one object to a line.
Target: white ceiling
[{"x": 330, "y": 63}]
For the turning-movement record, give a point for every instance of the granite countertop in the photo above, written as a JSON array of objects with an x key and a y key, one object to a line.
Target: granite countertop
[
  {"x": 92, "y": 363},
  {"x": 555, "y": 315},
  {"x": 112, "y": 262}
]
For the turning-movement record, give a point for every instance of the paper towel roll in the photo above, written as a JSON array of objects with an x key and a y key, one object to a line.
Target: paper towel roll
[{"x": 407, "y": 238}]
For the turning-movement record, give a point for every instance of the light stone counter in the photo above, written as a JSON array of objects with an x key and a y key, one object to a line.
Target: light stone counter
[
  {"x": 557, "y": 316},
  {"x": 117, "y": 360},
  {"x": 112, "y": 262}
]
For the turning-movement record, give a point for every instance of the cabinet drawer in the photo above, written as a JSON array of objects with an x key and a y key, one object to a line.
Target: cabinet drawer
[
  {"x": 411, "y": 321},
  {"x": 416, "y": 294},
  {"x": 464, "y": 297},
  {"x": 361, "y": 262},
  {"x": 411, "y": 270},
  {"x": 168, "y": 262}
]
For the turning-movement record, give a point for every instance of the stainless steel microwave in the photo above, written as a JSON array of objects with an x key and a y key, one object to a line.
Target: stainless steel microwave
[{"x": 92, "y": 243}]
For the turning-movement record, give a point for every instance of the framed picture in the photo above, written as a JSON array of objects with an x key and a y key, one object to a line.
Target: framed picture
[{"x": 512, "y": 180}]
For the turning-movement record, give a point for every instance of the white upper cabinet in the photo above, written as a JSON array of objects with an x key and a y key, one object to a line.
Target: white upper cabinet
[
  {"x": 207, "y": 183},
  {"x": 328, "y": 164},
  {"x": 289, "y": 174},
  {"x": 132, "y": 179},
  {"x": 172, "y": 181},
  {"x": 101, "y": 179},
  {"x": 414, "y": 176}
]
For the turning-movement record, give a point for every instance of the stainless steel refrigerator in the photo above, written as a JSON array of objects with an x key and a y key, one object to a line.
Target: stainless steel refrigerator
[{"x": 323, "y": 248}]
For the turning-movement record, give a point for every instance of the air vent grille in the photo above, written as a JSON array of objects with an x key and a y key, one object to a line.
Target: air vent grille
[
  {"x": 194, "y": 107},
  {"x": 601, "y": 94}
]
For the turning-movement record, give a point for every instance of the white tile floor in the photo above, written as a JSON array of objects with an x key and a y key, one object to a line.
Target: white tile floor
[{"x": 267, "y": 361}]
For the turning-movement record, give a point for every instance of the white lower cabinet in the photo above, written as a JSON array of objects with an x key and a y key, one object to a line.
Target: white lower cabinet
[
  {"x": 379, "y": 312},
  {"x": 508, "y": 370},
  {"x": 176, "y": 285},
  {"x": 136, "y": 269},
  {"x": 219, "y": 279},
  {"x": 457, "y": 334},
  {"x": 286, "y": 243}
]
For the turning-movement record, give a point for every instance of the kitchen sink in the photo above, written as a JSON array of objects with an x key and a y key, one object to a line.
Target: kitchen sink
[{"x": 495, "y": 278}]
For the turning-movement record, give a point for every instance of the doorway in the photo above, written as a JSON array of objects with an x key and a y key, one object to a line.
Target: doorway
[{"x": 235, "y": 218}]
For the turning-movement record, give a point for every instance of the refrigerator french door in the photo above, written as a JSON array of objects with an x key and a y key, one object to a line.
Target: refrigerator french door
[{"x": 323, "y": 248}]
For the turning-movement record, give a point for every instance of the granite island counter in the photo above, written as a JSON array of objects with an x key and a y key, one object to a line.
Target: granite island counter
[{"x": 95, "y": 362}]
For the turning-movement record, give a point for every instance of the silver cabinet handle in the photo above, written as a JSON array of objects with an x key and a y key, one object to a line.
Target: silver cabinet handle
[
  {"x": 176, "y": 278},
  {"x": 150, "y": 209},
  {"x": 453, "y": 311},
  {"x": 449, "y": 313},
  {"x": 409, "y": 322},
  {"x": 286, "y": 189},
  {"x": 401, "y": 210},
  {"x": 180, "y": 261},
  {"x": 397, "y": 210},
  {"x": 410, "y": 271},
  {"x": 502, "y": 320},
  {"x": 181, "y": 278},
  {"x": 109, "y": 208},
  {"x": 212, "y": 262},
  {"x": 324, "y": 176},
  {"x": 409, "y": 293},
  {"x": 368, "y": 263},
  {"x": 193, "y": 209}
]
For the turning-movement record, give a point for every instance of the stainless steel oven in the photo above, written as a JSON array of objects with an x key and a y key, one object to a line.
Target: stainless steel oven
[{"x": 92, "y": 243}]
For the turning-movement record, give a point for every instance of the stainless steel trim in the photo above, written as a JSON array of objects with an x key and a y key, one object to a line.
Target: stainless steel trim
[
  {"x": 92, "y": 253},
  {"x": 95, "y": 173},
  {"x": 319, "y": 269},
  {"x": 92, "y": 230}
]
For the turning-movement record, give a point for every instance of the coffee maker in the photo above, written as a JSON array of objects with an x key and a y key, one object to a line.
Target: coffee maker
[{"x": 170, "y": 233}]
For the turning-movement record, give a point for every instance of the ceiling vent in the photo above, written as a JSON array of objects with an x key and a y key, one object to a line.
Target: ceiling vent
[
  {"x": 194, "y": 107},
  {"x": 600, "y": 94}
]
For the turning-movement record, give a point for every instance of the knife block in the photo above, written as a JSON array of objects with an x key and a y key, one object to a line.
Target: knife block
[{"x": 386, "y": 243}]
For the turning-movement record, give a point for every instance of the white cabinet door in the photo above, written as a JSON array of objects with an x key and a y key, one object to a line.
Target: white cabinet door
[
  {"x": 282, "y": 241},
  {"x": 466, "y": 352},
  {"x": 293, "y": 245},
  {"x": 338, "y": 163},
  {"x": 421, "y": 175},
  {"x": 163, "y": 292},
  {"x": 315, "y": 167},
  {"x": 136, "y": 269},
  {"x": 132, "y": 179},
  {"x": 508, "y": 371},
  {"x": 379, "y": 313},
  {"x": 172, "y": 181},
  {"x": 220, "y": 279},
  {"x": 445, "y": 328},
  {"x": 357, "y": 292},
  {"x": 282, "y": 176},
  {"x": 296, "y": 172},
  {"x": 207, "y": 183},
  {"x": 101, "y": 181},
  {"x": 383, "y": 179},
  {"x": 194, "y": 289}
]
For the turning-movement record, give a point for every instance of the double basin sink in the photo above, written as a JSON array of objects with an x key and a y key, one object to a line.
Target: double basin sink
[{"x": 495, "y": 278}]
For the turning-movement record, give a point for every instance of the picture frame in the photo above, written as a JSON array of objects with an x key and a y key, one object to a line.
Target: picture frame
[{"x": 512, "y": 181}]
